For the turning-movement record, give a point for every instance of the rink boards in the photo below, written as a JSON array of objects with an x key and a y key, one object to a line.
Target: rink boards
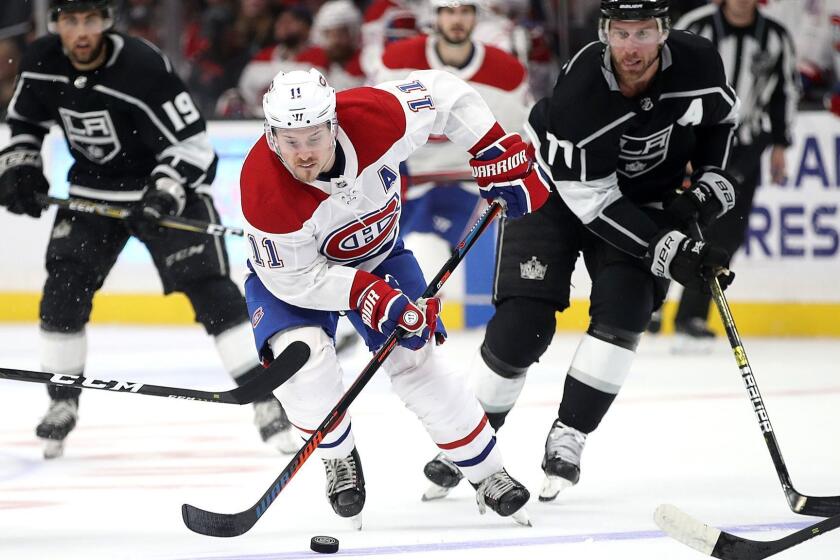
[{"x": 787, "y": 273}]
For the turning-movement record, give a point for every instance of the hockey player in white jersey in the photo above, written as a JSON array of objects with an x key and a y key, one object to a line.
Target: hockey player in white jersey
[
  {"x": 321, "y": 200},
  {"x": 440, "y": 198}
]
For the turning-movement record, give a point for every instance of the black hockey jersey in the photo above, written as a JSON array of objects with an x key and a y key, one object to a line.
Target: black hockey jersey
[
  {"x": 607, "y": 154},
  {"x": 124, "y": 122}
]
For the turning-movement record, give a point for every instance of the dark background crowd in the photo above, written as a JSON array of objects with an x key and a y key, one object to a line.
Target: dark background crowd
[{"x": 212, "y": 42}]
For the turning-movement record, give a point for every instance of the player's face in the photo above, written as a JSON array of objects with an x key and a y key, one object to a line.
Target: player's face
[
  {"x": 81, "y": 36},
  {"x": 634, "y": 47},
  {"x": 340, "y": 43},
  {"x": 456, "y": 24},
  {"x": 306, "y": 151}
]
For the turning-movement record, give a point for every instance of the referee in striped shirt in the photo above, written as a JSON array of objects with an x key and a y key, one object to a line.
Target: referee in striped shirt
[{"x": 759, "y": 60}]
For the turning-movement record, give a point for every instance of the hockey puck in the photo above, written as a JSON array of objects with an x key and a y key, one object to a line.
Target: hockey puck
[{"x": 323, "y": 544}]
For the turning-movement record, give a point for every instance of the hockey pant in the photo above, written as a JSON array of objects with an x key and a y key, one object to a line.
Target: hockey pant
[{"x": 435, "y": 394}]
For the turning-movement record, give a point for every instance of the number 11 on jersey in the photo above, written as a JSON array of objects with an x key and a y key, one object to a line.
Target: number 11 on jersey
[{"x": 271, "y": 252}]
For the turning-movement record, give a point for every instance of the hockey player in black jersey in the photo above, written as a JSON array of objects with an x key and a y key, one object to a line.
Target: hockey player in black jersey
[
  {"x": 626, "y": 116},
  {"x": 137, "y": 139}
]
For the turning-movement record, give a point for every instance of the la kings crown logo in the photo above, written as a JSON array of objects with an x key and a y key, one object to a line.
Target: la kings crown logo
[
  {"x": 533, "y": 269},
  {"x": 91, "y": 134},
  {"x": 640, "y": 155}
]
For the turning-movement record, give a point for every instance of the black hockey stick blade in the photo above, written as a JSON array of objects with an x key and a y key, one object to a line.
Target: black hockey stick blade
[
  {"x": 726, "y": 546},
  {"x": 280, "y": 370},
  {"x": 215, "y": 524},
  {"x": 818, "y": 506}
]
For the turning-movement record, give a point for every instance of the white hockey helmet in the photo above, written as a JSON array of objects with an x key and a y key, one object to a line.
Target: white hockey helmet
[
  {"x": 338, "y": 13},
  {"x": 298, "y": 99},
  {"x": 438, "y": 4}
]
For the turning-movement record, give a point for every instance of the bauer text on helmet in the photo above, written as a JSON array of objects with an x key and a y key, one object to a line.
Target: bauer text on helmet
[{"x": 638, "y": 10}]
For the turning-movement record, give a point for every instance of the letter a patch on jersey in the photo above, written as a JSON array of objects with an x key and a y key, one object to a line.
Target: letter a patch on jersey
[{"x": 91, "y": 134}]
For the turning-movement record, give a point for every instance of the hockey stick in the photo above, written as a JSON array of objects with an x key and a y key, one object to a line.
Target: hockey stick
[
  {"x": 726, "y": 546},
  {"x": 280, "y": 370},
  {"x": 823, "y": 506},
  {"x": 235, "y": 524},
  {"x": 120, "y": 213}
]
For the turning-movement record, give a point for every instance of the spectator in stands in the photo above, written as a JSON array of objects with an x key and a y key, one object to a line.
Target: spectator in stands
[
  {"x": 812, "y": 24},
  {"x": 291, "y": 37},
  {"x": 209, "y": 50},
  {"x": 138, "y": 18},
  {"x": 386, "y": 21},
  {"x": 337, "y": 37}
]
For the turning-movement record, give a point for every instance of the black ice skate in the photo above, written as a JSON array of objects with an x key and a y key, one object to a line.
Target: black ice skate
[
  {"x": 692, "y": 337},
  {"x": 274, "y": 426},
  {"x": 561, "y": 462},
  {"x": 59, "y": 421},
  {"x": 504, "y": 495},
  {"x": 444, "y": 476},
  {"x": 346, "y": 486}
]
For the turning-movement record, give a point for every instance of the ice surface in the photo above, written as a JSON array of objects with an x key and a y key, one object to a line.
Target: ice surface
[{"x": 681, "y": 432}]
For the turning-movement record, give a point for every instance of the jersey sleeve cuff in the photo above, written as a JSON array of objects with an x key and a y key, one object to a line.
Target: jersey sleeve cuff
[
  {"x": 361, "y": 281},
  {"x": 495, "y": 132}
]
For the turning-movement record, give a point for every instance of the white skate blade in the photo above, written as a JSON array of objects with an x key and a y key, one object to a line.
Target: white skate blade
[
  {"x": 53, "y": 448},
  {"x": 521, "y": 516},
  {"x": 435, "y": 492},
  {"x": 285, "y": 442},
  {"x": 553, "y": 485},
  {"x": 356, "y": 522},
  {"x": 684, "y": 344}
]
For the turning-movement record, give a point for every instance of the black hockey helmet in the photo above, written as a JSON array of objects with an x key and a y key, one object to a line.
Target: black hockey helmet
[
  {"x": 634, "y": 10},
  {"x": 59, "y": 6}
]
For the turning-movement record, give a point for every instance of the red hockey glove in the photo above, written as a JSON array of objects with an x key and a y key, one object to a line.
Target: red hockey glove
[
  {"x": 505, "y": 170},
  {"x": 383, "y": 307}
]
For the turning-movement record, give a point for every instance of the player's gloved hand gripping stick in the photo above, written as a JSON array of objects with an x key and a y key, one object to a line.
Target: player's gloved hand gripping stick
[
  {"x": 505, "y": 170},
  {"x": 234, "y": 524},
  {"x": 120, "y": 213}
]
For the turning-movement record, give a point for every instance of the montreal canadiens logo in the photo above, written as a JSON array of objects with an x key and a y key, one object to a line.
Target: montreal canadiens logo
[
  {"x": 364, "y": 236},
  {"x": 411, "y": 318},
  {"x": 257, "y": 317}
]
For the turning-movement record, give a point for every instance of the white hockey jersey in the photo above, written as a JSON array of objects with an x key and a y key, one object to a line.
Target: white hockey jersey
[
  {"x": 308, "y": 240},
  {"x": 499, "y": 78}
]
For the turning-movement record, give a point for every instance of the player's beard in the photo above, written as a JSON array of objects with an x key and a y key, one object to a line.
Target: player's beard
[
  {"x": 633, "y": 74},
  {"x": 94, "y": 52},
  {"x": 463, "y": 36}
]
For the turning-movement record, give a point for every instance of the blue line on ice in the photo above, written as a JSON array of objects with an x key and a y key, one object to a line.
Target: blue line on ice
[{"x": 494, "y": 543}]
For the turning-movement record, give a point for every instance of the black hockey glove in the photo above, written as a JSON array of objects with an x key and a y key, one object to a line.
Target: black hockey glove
[
  {"x": 21, "y": 177},
  {"x": 164, "y": 197},
  {"x": 710, "y": 196},
  {"x": 673, "y": 255}
]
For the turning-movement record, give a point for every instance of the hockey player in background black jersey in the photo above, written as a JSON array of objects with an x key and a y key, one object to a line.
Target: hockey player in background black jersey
[
  {"x": 137, "y": 139},
  {"x": 626, "y": 116}
]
